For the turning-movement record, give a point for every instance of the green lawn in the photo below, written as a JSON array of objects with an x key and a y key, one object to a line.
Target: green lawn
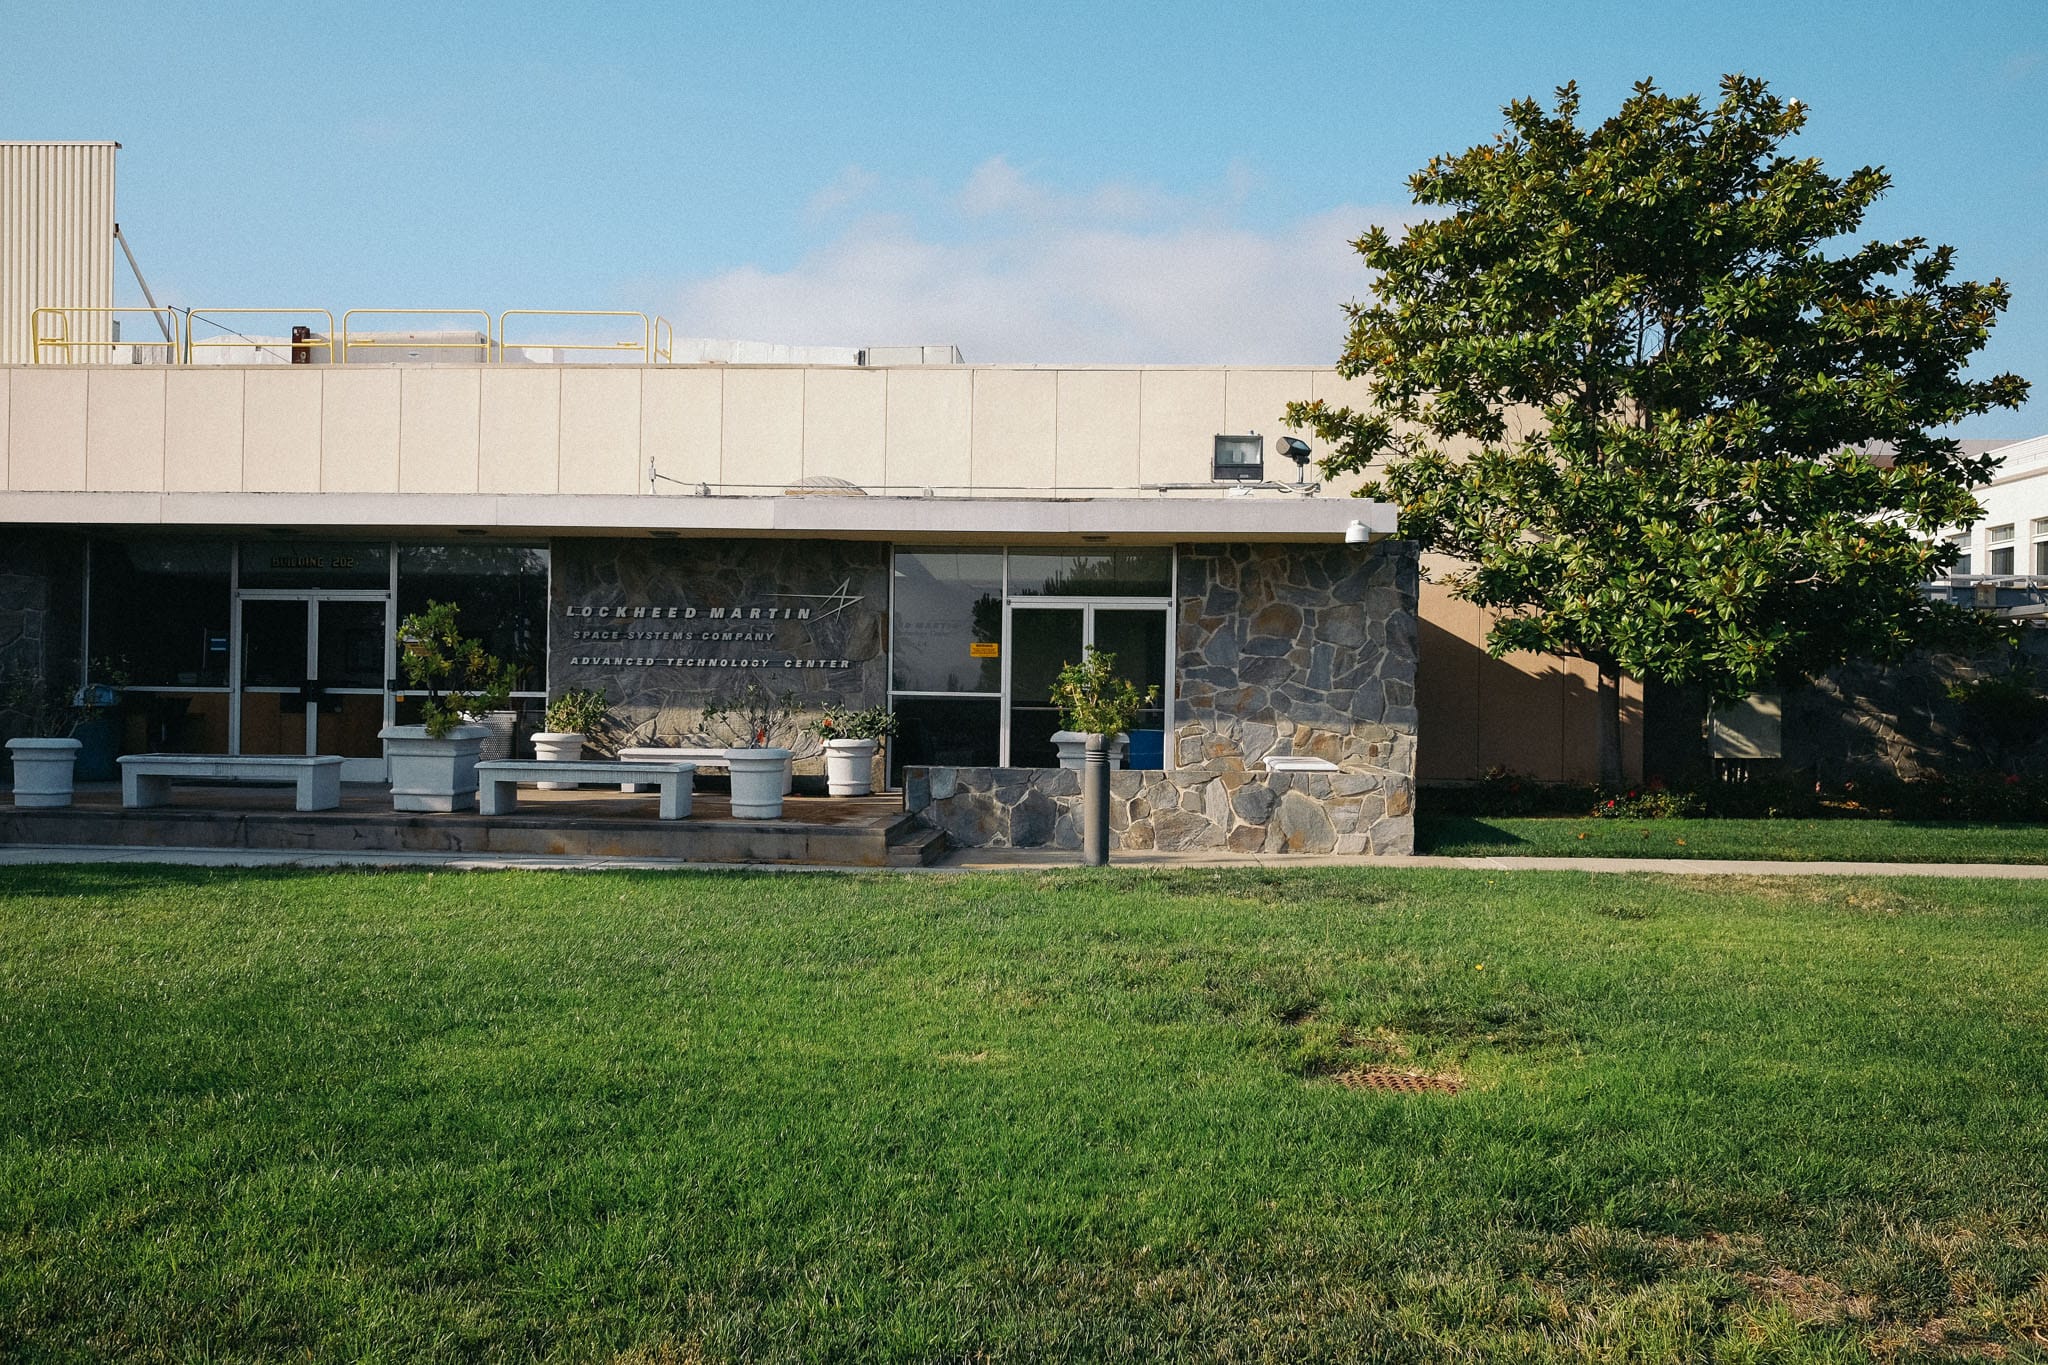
[
  {"x": 1889, "y": 841},
  {"x": 398, "y": 1117}
]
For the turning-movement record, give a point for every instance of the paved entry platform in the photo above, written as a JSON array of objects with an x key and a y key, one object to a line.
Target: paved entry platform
[{"x": 593, "y": 822}]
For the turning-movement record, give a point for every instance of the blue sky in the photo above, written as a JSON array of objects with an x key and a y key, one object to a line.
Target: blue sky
[{"x": 1086, "y": 182}]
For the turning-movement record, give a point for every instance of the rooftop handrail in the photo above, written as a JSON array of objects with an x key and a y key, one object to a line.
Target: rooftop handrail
[
  {"x": 645, "y": 345},
  {"x": 351, "y": 342},
  {"x": 51, "y": 328},
  {"x": 664, "y": 341},
  {"x": 193, "y": 316}
]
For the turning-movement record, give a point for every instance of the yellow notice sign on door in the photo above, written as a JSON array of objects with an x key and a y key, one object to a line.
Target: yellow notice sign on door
[{"x": 990, "y": 650}]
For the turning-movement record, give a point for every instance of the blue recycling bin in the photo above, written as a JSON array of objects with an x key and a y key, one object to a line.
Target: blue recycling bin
[{"x": 1148, "y": 749}]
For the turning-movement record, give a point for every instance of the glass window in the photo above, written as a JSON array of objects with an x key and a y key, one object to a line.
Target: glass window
[
  {"x": 500, "y": 591},
  {"x": 2001, "y": 559},
  {"x": 2041, "y": 558},
  {"x": 160, "y": 611},
  {"x": 948, "y": 621},
  {"x": 2041, "y": 526},
  {"x": 2000, "y": 533},
  {"x": 959, "y": 732},
  {"x": 316, "y": 564},
  {"x": 1144, "y": 572}
]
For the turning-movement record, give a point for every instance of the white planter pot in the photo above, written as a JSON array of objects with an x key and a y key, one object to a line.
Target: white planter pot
[
  {"x": 759, "y": 778},
  {"x": 850, "y": 767},
  {"x": 430, "y": 774},
  {"x": 557, "y": 747},
  {"x": 1073, "y": 747},
  {"x": 43, "y": 770}
]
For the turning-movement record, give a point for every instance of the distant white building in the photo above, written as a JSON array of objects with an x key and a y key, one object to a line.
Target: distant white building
[{"x": 2004, "y": 559}]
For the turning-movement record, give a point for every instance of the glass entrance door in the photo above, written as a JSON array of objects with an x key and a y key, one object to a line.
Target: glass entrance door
[
  {"x": 311, "y": 678},
  {"x": 1044, "y": 639}
]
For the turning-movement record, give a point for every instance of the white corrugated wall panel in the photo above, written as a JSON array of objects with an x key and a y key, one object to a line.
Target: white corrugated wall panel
[{"x": 56, "y": 239}]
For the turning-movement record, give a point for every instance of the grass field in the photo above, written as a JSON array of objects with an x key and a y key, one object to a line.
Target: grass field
[
  {"x": 1884, "y": 841},
  {"x": 396, "y": 1117}
]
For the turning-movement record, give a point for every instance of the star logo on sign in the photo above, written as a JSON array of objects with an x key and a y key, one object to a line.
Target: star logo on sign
[{"x": 837, "y": 600}]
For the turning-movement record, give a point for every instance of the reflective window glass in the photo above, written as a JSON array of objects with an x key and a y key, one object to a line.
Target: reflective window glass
[
  {"x": 1144, "y": 572},
  {"x": 948, "y": 621},
  {"x": 160, "y": 611},
  {"x": 500, "y": 593}
]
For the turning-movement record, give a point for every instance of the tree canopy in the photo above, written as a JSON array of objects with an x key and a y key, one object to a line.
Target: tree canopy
[{"x": 1623, "y": 378}]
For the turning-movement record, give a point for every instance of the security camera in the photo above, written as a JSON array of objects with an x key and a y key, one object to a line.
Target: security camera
[{"x": 1356, "y": 534}]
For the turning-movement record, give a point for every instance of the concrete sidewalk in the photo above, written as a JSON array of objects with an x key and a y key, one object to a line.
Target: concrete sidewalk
[{"x": 997, "y": 860}]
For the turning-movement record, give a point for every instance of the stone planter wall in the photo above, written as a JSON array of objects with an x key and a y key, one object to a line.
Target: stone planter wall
[{"x": 1207, "y": 807}]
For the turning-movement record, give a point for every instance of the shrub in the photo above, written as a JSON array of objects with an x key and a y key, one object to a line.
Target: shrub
[{"x": 461, "y": 679}]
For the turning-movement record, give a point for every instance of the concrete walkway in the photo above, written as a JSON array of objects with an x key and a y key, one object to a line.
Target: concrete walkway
[{"x": 996, "y": 860}]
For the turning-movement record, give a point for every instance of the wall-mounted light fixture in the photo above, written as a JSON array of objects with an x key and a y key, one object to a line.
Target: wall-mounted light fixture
[{"x": 1240, "y": 459}]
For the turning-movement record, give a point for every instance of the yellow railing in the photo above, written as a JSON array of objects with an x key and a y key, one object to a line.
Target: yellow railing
[
  {"x": 319, "y": 341},
  {"x": 51, "y": 328},
  {"x": 645, "y": 345},
  {"x": 351, "y": 343},
  {"x": 664, "y": 342}
]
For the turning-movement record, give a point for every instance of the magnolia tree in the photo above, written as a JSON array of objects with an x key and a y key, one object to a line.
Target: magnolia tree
[{"x": 1696, "y": 437}]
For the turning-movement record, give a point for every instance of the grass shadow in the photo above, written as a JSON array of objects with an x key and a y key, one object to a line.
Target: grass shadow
[{"x": 1463, "y": 834}]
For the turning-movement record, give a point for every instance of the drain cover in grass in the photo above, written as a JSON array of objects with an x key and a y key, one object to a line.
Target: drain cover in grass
[{"x": 1399, "y": 1082}]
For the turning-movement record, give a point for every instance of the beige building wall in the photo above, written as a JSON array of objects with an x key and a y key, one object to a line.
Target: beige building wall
[
  {"x": 627, "y": 429},
  {"x": 1533, "y": 714}
]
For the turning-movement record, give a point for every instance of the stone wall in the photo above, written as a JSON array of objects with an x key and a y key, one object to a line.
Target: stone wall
[
  {"x": 41, "y": 603},
  {"x": 1184, "y": 809},
  {"x": 1281, "y": 649},
  {"x": 1297, "y": 649},
  {"x": 665, "y": 626},
  {"x": 1863, "y": 720}
]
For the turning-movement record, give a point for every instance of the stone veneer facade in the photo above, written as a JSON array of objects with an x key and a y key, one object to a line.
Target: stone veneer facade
[
  {"x": 804, "y": 618},
  {"x": 1281, "y": 649}
]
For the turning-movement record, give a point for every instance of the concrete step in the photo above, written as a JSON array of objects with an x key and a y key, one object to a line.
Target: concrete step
[
  {"x": 849, "y": 835},
  {"x": 917, "y": 845}
]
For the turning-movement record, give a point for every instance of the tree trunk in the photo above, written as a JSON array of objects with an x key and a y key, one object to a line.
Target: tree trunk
[{"x": 1610, "y": 725}]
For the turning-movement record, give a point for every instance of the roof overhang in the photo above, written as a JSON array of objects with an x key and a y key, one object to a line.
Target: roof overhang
[{"x": 938, "y": 519}]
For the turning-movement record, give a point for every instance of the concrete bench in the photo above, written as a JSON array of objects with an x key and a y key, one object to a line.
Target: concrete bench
[
  {"x": 498, "y": 781},
  {"x": 146, "y": 778},
  {"x": 702, "y": 758}
]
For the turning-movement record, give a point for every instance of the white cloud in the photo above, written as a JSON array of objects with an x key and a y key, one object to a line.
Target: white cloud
[{"x": 1012, "y": 270}]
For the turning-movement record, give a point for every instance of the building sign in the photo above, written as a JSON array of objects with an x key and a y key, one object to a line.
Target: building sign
[
  {"x": 771, "y": 633},
  {"x": 315, "y": 564}
]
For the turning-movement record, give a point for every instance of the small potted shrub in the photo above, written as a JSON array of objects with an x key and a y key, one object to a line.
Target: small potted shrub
[
  {"x": 42, "y": 721},
  {"x": 761, "y": 773},
  {"x": 1093, "y": 700},
  {"x": 851, "y": 738},
  {"x": 433, "y": 764},
  {"x": 570, "y": 721}
]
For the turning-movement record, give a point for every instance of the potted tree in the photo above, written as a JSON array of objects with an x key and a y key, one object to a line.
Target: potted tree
[
  {"x": 851, "y": 738},
  {"x": 571, "y": 719},
  {"x": 1093, "y": 700},
  {"x": 760, "y": 769},
  {"x": 43, "y": 746},
  {"x": 433, "y": 764}
]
